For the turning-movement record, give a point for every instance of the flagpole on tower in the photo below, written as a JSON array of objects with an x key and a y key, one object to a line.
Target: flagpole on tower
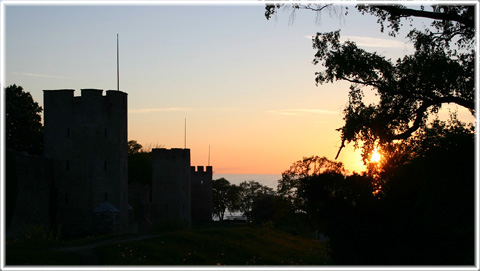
[{"x": 118, "y": 67}]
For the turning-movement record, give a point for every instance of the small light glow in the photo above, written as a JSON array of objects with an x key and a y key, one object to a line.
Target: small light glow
[{"x": 375, "y": 156}]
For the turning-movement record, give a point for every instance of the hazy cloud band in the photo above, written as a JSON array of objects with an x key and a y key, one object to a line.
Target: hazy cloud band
[
  {"x": 42, "y": 75},
  {"x": 293, "y": 112},
  {"x": 150, "y": 110}
]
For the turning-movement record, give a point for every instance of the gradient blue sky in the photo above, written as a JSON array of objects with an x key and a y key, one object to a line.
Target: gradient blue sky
[{"x": 245, "y": 84}]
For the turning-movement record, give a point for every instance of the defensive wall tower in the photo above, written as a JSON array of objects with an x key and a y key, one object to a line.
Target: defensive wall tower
[
  {"x": 86, "y": 136},
  {"x": 171, "y": 184},
  {"x": 201, "y": 183}
]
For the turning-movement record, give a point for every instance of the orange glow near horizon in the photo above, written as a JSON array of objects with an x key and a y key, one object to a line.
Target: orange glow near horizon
[{"x": 253, "y": 123}]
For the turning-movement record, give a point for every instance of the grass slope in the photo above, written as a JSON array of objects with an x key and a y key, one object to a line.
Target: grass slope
[{"x": 212, "y": 245}]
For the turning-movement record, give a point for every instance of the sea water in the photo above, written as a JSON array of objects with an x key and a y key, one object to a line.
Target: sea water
[{"x": 269, "y": 180}]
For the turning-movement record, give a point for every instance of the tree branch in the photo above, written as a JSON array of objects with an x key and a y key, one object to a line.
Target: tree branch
[
  {"x": 419, "y": 117},
  {"x": 372, "y": 83},
  {"x": 340, "y": 149},
  {"x": 396, "y": 11},
  {"x": 314, "y": 9},
  {"x": 423, "y": 108}
]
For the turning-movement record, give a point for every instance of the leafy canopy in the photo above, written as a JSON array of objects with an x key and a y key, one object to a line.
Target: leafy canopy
[
  {"x": 249, "y": 193},
  {"x": 23, "y": 121},
  {"x": 290, "y": 185},
  {"x": 440, "y": 71},
  {"x": 134, "y": 147},
  {"x": 225, "y": 197}
]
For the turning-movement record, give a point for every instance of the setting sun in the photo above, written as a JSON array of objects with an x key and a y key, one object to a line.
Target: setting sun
[{"x": 375, "y": 156}]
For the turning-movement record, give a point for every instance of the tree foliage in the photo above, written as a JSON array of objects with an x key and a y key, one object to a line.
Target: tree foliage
[
  {"x": 249, "y": 193},
  {"x": 24, "y": 131},
  {"x": 225, "y": 197},
  {"x": 263, "y": 209},
  {"x": 134, "y": 147},
  {"x": 432, "y": 195},
  {"x": 425, "y": 214},
  {"x": 430, "y": 137},
  {"x": 440, "y": 71},
  {"x": 289, "y": 185},
  {"x": 139, "y": 164}
]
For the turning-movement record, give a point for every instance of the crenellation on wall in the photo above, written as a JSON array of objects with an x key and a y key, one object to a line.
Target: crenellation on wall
[
  {"x": 201, "y": 169},
  {"x": 201, "y": 199},
  {"x": 91, "y": 92}
]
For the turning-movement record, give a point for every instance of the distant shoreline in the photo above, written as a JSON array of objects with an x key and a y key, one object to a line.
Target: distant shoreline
[{"x": 270, "y": 180}]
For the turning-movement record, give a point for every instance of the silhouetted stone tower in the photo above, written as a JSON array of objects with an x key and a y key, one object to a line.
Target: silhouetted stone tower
[
  {"x": 171, "y": 184},
  {"x": 201, "y": 182},
  {"x": 86, "y": 137}
]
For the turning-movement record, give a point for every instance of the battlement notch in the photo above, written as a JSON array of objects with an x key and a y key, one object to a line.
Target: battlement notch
[
  {"x": 201, "y": 169},
  {"x": 86, "y": 92},
  {"x": 91, "y": 92}
]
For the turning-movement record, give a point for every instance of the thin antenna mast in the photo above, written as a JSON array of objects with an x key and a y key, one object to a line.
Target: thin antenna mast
[
  {"x": 118, "y": 67},
  {"x": 208, "y": 154}
]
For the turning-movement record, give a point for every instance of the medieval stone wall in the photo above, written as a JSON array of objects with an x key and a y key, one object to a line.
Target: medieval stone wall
[
  {"x": 29, "y": 181},
  {"x": 139, "y": 208},
  {"x": 171, "y": 184},
  {"x": 81, "y": 183}
]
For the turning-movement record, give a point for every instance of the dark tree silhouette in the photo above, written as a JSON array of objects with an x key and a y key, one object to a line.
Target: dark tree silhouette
[
  {"x": 249, "y": 192},
  {"x": 289, "y": 185},
  {"x": 263, "y": 208},
  {"x": 430, "y": 198},
  {"x": 410, "y": 89},
  {"x": 425, "y": 214},
  {"x": 23, "y": 121},
  {"x": 225, "y": 196},
  {"x": 134, "y": 147}
]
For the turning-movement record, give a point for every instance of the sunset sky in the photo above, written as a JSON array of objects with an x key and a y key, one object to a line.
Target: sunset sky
[{"x": 245, "y": 84}]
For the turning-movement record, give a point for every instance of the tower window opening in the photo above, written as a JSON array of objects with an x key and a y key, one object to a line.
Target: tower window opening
[
  {"x": 105, "y": 165},
  {"x": 66, "y": 199},
  {"x": 105, "y": 132},
  {"x": 106, "y": 196},
  {"x": 68, "y": 132},
  {"x": 67, "y": 165}
]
